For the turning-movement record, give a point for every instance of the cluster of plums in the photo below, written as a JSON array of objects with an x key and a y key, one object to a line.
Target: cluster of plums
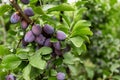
[{"x": 40, "y": 36}]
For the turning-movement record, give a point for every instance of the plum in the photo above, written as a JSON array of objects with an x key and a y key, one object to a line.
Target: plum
[
  {"x": 36, "y": 29},
  {"x": 29, "y": 37},
  {"x": 14, "y": 18},
  {"x": 29, "y": 12},
  {"x": 24, "y": 44},
  {"x": 40, "y": 39},
  {"x": 58, "y": 52},
  {"x": 48, "y": 43},
  {"x": 60, "y": 76},
  {"x": 25, "y": 1},
  {"x": 48, "y": 29},
  {"x": 60, "y": 35},
  {"x": 24, "y": 24},
  {"x": 10, "y": 77},
  {"x": 57, "y": 45}
]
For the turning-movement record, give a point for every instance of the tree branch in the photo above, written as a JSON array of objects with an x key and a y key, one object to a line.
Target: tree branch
[{"x": 17, "y": 7}]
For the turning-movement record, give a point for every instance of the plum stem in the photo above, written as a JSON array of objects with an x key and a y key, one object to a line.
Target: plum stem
[{"x": 18, "y": 9}]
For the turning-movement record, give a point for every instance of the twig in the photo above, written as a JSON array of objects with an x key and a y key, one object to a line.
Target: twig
[{"x": 17, "y": 7}]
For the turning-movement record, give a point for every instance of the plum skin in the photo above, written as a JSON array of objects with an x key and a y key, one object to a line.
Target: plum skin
[
  {"x": 60, "y": 35},
  {"x": 57, "y": 45},
  {"x": 10, "y": 77},
  {"x": 25, "y": 1},
  {"x": 48, "y": 29},
  {"x": 36, "y": 29},
  {"x": 47, "y": 43},
  {"x": 14, "y": 18},
  {"x": 24, "y": 24},
  {"x": 60, "y": 76},
  {"x": 58, "y": 52},
  {"x": 29, "y": 37},
  {"x": 29, "y": 12},
  {"x": 40, "y": 39}
]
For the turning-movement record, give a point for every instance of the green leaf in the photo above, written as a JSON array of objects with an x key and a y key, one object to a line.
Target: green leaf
[
  {"x": 22, "y": 53},
  {"x": 66, "y": 19},
  {"x": 90, "y": 72},
  {"x": 4, "y": 8},
  {"x": 116, "y": 77},
  {"x": 81, "y": 24},
  {"x": 4, "y": 50},
  {"x": 77, "y": 41},
  {"x": 53, "y": 40},
  {"x": 37, "y": 62},
  {"x": 38, "y": 10},
  {"x": 73, "y": 70},
  {"x": 81, "y": 32},
  {"x": 53, "y": 72},
  {"x": 79, "y": 14},
  {"x": 114, "y": 67},
  {"x": 26, "y": 72},
  {"x": 44, "y": 50},
  {"x": 52, "y": 78},
  {"x": 79, "y": 3},
  {"x": 11, "y": 61},
  {"x": 23, "y": 56},
  {"x": 62, "y": 7},
  {"x": 68, "y": 58}
]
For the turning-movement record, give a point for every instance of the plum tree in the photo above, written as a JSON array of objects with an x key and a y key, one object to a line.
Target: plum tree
[
  {"x": 15, "y": 18},
  {"x": 10, "y": 77},
  {"x": 25, "y": 1},
  {"x": 36, "y": 29},
  {"x": 29, "y": 12},
  {"x": 60, "y": 35},
  {"x": 60, "y": 76},
  {"x": 24, "y": 24},
  {"x": 29, "y": 37},
  {"x": 40, "y": 39},
  {"x": 48, "y": 29}
]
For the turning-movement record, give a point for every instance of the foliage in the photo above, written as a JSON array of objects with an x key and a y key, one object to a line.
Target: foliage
[{"x": 27, "y": 61}]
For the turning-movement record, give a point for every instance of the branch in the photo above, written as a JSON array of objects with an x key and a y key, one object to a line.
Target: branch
[{"x": 17, "y": 7}]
